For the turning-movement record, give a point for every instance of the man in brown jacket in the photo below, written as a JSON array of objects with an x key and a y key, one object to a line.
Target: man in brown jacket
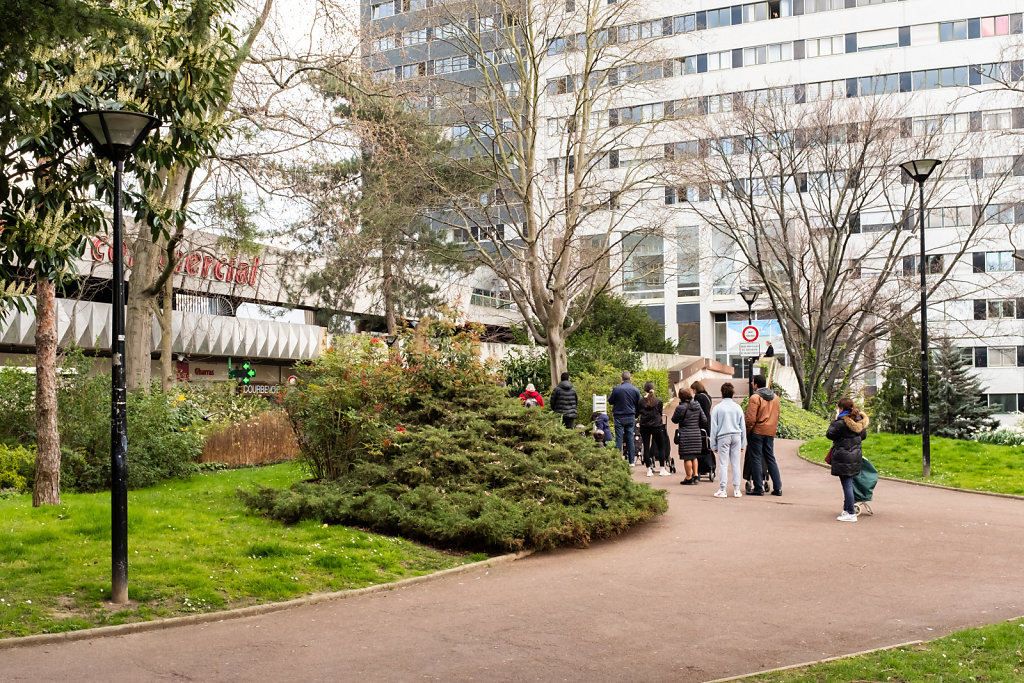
[{"x": 762, "y": 418}]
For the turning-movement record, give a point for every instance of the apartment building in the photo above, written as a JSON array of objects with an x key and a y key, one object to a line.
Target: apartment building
[{"x": 947, "y": 70}]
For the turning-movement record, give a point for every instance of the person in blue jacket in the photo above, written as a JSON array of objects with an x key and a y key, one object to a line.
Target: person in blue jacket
[{"x": 624, "y": 399}]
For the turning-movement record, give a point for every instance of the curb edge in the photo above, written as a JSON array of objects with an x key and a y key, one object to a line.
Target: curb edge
[{"x": 250, "y": 610}]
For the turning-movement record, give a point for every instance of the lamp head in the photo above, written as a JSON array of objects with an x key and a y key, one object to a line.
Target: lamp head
[
  {"x": 749, "y": 295},
  {"x": 114, "y": 133},
  {"x": 920, "y": 169}
]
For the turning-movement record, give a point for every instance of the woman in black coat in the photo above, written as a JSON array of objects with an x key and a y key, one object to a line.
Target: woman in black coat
[
  {"x": 690, "y": 418},
  {"x": 650, "y": 410},
  {"x": 701, "y": 396},
  {"x": 847, "y": 432}
]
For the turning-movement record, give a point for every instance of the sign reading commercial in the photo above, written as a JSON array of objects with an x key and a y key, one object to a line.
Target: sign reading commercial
[{"x": 194, "y": 263}]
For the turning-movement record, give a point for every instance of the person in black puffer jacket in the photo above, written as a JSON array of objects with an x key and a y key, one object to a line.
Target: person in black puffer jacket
[
  {"x": 847, "y": 432},
  {"x": 564, "y": 401},
  {"x": 690, "y": 418},
  {"x": 652, "y": 430}
]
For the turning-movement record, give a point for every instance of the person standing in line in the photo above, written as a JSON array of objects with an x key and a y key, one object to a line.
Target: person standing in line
[
  {"x": 690, "y": 418},
  {"x": 769, "y": 352},
  {"x": 762, "y": 420},
  {"x": 847, "y": 432},
  {"x": 701, "y": 396},
  {"x": 624, "y": 399},
  {"x": 530, "y": 397},
  {"x": 564, "y": 401},
  {"x": 728, "y": 436},
  {"x": 651, "y": 427}
]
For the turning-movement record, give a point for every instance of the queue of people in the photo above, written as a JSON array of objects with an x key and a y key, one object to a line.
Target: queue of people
[{"x": 722, "y": 439}]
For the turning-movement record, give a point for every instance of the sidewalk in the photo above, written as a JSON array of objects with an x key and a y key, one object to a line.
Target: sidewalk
[{"x": 713, "y": 588}]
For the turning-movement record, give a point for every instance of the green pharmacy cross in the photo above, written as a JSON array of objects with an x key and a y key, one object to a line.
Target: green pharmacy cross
[{"x": 244, "y": 373}]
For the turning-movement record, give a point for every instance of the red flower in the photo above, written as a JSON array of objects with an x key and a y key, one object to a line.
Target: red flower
[
  {"x": 400, "y": 428},
  {"x": 375, "y": 340},
  {"x": 378, "y": 407}
]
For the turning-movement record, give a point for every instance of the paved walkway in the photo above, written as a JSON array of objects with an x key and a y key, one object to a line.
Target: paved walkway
[{"x": 711, "y": 589}]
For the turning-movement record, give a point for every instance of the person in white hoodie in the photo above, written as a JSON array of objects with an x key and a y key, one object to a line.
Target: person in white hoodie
[{"x": 728, "y": 441}]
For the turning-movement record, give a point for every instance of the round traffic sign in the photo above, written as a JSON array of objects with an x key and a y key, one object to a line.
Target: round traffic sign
[
  {"x": 750, "y": 333},
  {"x": 292, "y": 379}
]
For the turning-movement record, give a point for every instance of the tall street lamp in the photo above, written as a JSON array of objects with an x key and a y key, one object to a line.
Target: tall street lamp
[
  {"x": 919, "y": 170},
  {"x": 749, "y": 295},
  {"x": 115, "y": 135}
]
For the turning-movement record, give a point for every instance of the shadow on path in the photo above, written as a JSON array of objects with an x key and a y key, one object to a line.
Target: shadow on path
[{"x": 715, "y": 587}]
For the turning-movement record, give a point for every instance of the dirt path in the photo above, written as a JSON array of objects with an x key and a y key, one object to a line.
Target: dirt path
[{"x": 711, "y": 589}]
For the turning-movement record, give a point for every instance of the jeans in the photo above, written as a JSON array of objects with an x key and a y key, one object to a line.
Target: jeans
[
  {"x": 761, "y": 445},
  {"x": 624, "y": 430},
  {"x": 848, "y": 502},
  {"x": 729, "y": 446}
]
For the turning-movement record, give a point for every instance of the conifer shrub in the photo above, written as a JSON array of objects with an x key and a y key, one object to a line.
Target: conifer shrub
[{"x": 428, "y": 446}]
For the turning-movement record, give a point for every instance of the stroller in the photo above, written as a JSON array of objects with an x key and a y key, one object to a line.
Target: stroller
[
  {"x": 638, "y": 444},
  {"x": 864, "y": 488},
  {"x": 706, "y": 462}
]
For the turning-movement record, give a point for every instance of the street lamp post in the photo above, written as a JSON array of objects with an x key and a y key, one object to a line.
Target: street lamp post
[
  {"x": 919, "y": 170},
  {"x": 749, "y": 295},
  {"x": 115, "y": 135}
]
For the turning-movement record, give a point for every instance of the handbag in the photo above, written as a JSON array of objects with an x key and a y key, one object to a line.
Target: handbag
[
  {"x": 677, "y": 438},
  {"x": 828, "y": 458}
]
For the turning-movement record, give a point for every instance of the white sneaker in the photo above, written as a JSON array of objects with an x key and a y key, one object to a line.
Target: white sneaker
[
  {"x": 737, "y": 494},
  {"x": 721, "y": 494},
  {"x": 650, "y": 472},
  {"x": 847, "y": 517},
  {"x": 664, "y": 473}
]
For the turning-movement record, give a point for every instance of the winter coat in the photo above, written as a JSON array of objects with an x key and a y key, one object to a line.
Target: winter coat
[
  {"x": 563, "y": 399},
  {"x": 624, "y": 399},
  {"x": 691, "y": 420},
  {"x": 526, "y": 395},
  {"x": 847, "y": 433},
  {"x": 762, "y": 416},
  {"x": 601, "y": 422},
  {"x": 650, "y": 416},
  {"x": 704, "y": 399}
]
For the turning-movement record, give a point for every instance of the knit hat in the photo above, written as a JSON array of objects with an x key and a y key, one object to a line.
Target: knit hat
[{"x": 530, "y": 387}]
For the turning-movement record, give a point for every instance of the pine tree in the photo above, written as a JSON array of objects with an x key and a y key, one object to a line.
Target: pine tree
[
  {"x": 957, "y": 406},
  {"x": 896, "y": 407}
]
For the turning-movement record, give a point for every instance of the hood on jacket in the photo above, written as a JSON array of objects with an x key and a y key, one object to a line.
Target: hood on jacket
[
  {"x": 765, "y": 393},
  {"x": 565, "y": 384},
  {"x": 856, "y": 421}
]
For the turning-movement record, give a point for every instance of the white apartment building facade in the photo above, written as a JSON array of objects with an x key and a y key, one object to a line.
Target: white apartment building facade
[{"x": 944, "y": 65}]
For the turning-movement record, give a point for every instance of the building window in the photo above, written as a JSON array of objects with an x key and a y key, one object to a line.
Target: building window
[
  {"x": 1002, "y": 356},
  {"x": 1005, "y": 403},
  {"x": 382, "y": 10},
  {"x": 643, "y": 270},
  {"x": 1001, "y": 309},
  {"x": 952, "y": 30},
  {"x": 687, "y": 261},
  {"x": 999, "y": 261}
]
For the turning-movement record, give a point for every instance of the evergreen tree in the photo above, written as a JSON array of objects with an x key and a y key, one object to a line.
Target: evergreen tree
[
  {"x": 896, "y": 407},
  {"x": 957, "y": 406}
]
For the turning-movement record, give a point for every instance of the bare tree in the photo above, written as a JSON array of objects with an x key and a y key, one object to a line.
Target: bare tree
[
  {"x": 530, "y": 94},
  {"x": 814, "y": 208}
]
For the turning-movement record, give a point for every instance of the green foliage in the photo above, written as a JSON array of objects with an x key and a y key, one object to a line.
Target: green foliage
[
  {"x": 1001, "y": 437},
  {"x": 17, "y": 467},
  {"x": 220, "y": 405},
  {"x": 989, "y": 653},
  {"x": 429, "y": 446},
  {"x": 17, "y": 401},
  {"x": 957, "y": 463},
  {"x": 797, "y": 423},
  {"x": 956, "y": 409},
  {"x": 614, "y": 321},
  {"x": 190, "y": 552},
  {"x": 521, "y": 367}
]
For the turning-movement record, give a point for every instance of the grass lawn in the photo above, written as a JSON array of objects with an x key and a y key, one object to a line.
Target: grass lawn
[
  {"x": 990, "y": 653},
  {"x": 963, "y": 464},
  {"x": 192, "y": 547}
]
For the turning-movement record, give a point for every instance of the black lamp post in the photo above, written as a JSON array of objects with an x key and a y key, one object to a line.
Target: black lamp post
[
  {"x": 115, "y": 135},
  {"x": 749, "y": 295},
  {"x": 919, "y": 170}
]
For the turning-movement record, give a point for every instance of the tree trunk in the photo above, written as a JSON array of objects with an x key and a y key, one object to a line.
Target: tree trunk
[
  {"x": 388, "y": 294},
  {"x": 46, "y": 490},
  {"x": 558, "y": 356},
  {"x": 139, "y": 315},
  {"x": 168, "y": 374}
]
